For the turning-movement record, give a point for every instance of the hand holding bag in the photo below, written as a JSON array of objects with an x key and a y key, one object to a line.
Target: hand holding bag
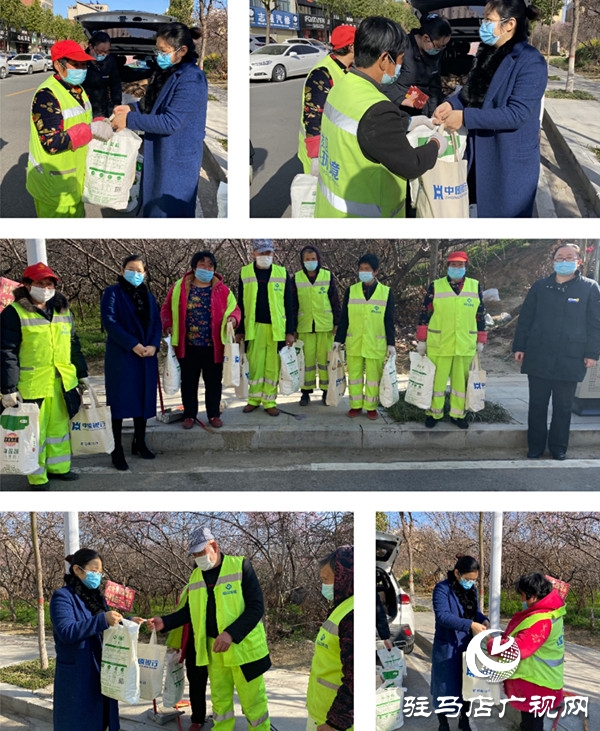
[
  {"x": 151, "y": 660},
  {"x": 91, "y": 428},
  {"x": 231, "y": 360},
  {"x": 420, "y": 381},
  {"x": 475, "y": 399},
  {"x": 119, "y": 669},
  {"x": 110, "y": 170}
]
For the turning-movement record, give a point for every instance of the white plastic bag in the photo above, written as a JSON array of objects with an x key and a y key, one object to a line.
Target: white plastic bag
[
  {"x": 299, "y": 345},
  {"x": 241, "y": 391},
  {"x": 475, "y": 400},
  {"x": 20, "y": 435},
  {"x": 174, "y": 679},
  {"x": 304, "y": 195},
  {"x": 119, "y": 669},
  {"x": 388, "y": 386},
  {"x": 151, "y": 660},
  {"x": 289, "y": 375},
  {"x": 473, "y": 687},
  {"x": 222, "y": 200},
  {"x": 231, "y": 360},
  {"x": 171, "y": 371},
  {"x": 420, "y": 381},
  {"x": 91, "y": 428},
  {"x": 336, "y": 374},
  {"x": 393, "y": 666},
  {"x": 389, "y": 703},
  {"x": 136, "y": 186},
  {"x": 110, "y": 170}
]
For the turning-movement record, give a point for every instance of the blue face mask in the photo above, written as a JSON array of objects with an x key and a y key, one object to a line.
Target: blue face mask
[
  {"x": 92, "y": 579},
  {"x": 456, "y": 272},
  {"x": 433, "y": 51},
  {"x": 365, "y": 277},
  {"x": 327, "y": 591},
  {"x": 135, "y": 278},
  {"x": 524, "y": 605},
  {"x": 467, "y": 584},
  {"x": 311, "y": 266},
  {"x": 564, "y": 268},
  {"x": 387, "y": 79},
  {"x": 101, "y": 58},
  {"x": 75, "y": 77},
  {"x": 486, "y": 32},
  {"x": 204, "y": 275},
  {"x": 164, "y": 60}
]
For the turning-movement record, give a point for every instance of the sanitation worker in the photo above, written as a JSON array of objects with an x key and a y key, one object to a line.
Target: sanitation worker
[
  {"x": 266, "y": 303},
  {"x": 318, "y": 83},
  {"x": 223, "y": 602},
  {"x": 451, "y": 330},
  {"x": 317, "y": 312},
  {"x": 42, "y": 362},
  {"x": 61, "y": 128},
  {"x": 367, "y": 328},
  {"x": 330, "y": 694}
]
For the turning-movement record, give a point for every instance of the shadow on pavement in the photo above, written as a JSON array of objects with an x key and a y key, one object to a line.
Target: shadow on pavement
[
  {"x": 274, "y": 197},
  {"x": 15, "y": 201}
]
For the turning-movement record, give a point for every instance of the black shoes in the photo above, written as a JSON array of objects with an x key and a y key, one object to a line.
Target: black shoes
[
  {"x": 118, "y": 459},
  {"x": 534, "y": 455},
  {"x": 305, "y": 399},
  {"x": 461, "y": 424},
  {"x": 443, "y": 721},
  {"x": 463, "y": 723},
  {"x": 559, "y": 454},
  {"x": 430, "y": 422},
  {"x": 142, "y": 450},
  {"x": 324, "y": 397},
  {"x": 65, "y": 476}
]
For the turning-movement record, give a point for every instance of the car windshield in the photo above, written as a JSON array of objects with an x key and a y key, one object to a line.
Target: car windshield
[
  {"x": 270, "y": 50},
  {"x": 23, "y": 57}
]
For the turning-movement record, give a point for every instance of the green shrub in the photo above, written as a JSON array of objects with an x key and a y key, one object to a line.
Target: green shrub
[{"x": 28, "y": 674}]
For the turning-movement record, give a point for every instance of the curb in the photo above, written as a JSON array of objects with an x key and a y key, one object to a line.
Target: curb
[
  {"x": 211, "y": 166},
  {"x": 24, "y": 702}
]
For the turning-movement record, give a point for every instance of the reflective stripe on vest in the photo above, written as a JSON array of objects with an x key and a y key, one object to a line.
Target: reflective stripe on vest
[
  {"x": 326, "y": 669},
  {"x": 275, "y": 289},
  {"x": 229, "y": 603},
  {"x": 349, "y": 184},
  {"x": 45, "y": 350},
  {"x": 366, "y": 322},
  {"x": 546, "y": 666},
  {"x": 453, "y": 325},
  {"x": 314, "y": 305},
  {"x": 59, "y": 176}
]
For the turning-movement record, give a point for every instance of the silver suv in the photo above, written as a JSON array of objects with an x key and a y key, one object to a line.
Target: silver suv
[{"x": 401, "y": 618}]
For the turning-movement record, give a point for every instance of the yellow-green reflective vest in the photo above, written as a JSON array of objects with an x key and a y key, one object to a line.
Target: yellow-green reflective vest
[
  {"x": 45, "y": 352},
  {"x": 453, "y": 326},
  {"x": 176, "y": 296},
  {"x": 326, "y": 669},
  {"x": 336, "y": 74},
  {"x": 58, "y": 176},
  {"x": 366, "y": 326},
  {"x": 276, "y": 289},
  {"x": 350, "y": 186},
  {"x": 546, "y": 666},
  {"x": 229, "y": 602},
  {"x": 313, "y": 302}
]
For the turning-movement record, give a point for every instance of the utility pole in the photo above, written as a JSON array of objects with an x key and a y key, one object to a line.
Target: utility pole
[
  {"x": 36, "y": 251},
  {"x": 71, "y": 524},
  {"x": 495, "y": 571}
]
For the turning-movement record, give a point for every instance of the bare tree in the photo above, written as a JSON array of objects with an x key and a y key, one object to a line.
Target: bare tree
[
  {"x": 40, "y": 593},
  {"x": 573, "y": 47}
]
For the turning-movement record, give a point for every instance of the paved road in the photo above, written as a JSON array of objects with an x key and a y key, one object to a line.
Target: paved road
[{"x": 15, "y": 722}]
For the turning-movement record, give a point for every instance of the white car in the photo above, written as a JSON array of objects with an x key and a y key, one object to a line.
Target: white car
[
  {"x": 27, "y": 63},
  {"x": 276, "y": 62},
  {"x": 310, "y": 41},
  {"x": 400, "y": 614},
  {"x": 3, "y": 66}
]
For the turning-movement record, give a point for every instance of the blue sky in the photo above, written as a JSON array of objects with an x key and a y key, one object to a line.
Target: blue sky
[{"x": 149, "y": 6}]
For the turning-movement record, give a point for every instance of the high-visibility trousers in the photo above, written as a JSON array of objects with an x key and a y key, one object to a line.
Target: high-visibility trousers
[
  {"x": 55, "y": 441},
  {"x": 364, "y": 375},
  {"x": 58, "y": 209},
  {"x": 252, "y": 695},
  {"x": 455, "y": 367},
  {"x": 264, "y": 364},
  {"x": 316, "y": 347}
]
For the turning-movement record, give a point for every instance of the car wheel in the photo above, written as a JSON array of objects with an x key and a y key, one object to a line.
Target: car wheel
[
  {"x": 30, "y": 70},
  {"x": 3, "y": 73},
  {"x": 279, "y": 73},
  {"x": 408, "y": 649}
]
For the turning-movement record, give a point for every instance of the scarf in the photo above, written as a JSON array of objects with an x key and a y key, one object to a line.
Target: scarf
[
  {"x": 158, "y": 79},
  {"x": 467, "y": 597},
  {"x": 487, "y": 61},
  {"x": 92, "y": 598},
  {"x": 140, "y": 298}
]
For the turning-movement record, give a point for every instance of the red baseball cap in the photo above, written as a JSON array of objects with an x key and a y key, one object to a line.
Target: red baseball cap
[
  {"x": 39, "y": 271},
  {"x": 71, "y": 50},
  {"x": 458, "y": 256},
  {"x": 342, "y": 35}
]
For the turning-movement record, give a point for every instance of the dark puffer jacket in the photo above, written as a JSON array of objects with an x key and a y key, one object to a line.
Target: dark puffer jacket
[
  {"x": 103, "y": 86},
  {"x": 558, "y": 327}
]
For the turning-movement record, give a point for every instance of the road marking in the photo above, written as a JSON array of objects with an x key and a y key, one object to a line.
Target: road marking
[
  {"x": 14, "y": 93},
  {"x": 455, "y": 465}
]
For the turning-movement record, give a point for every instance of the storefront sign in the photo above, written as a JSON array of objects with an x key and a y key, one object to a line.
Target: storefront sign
[
  {"x": 312, "y": 22},
  {"x": 280, "y": 19}
]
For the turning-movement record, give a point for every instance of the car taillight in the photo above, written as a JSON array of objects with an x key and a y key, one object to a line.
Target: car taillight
[
  {"x": 407, "y": 630},
  {"x": 404, "y": 599}
]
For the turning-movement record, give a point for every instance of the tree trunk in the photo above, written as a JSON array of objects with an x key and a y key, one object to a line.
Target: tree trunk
[
  {"x": 407, "y": 534},
  {"x": 481, "y": 564},
  {"x": 549, "y": 41},
  {"x": 40, "y": 592},
  {"x": 433, "y": 260},
  {"x": 572, "y": 50},
  {"x": 268, "y": 28}
]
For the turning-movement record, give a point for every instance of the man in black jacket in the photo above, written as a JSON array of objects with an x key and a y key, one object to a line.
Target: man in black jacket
[
  {"x": 103, "y": 80},
  {"x": 557, "y": 339}
]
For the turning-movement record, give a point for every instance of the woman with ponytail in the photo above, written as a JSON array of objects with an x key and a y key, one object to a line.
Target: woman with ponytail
[
  {"x": 79, "y": 616},
  {"x": 172, "y": 115},
  {"x": 500, "y": 105}
]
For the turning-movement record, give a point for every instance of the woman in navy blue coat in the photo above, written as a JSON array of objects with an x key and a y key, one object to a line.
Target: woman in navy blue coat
[
  {"x": 79, "y": 615},
  {"x": 457, "y": 619},
  {"x": 172, "y": 114},
  {"x": 500, "y": 106},
  {"x": 131, "y": 319}
]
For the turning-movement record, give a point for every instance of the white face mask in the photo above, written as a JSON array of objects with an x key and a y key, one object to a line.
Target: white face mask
[
  {"x": 40, "y": 294},
  {"x": 204, "y": 563},
  {"x": 264, "y": 262}
]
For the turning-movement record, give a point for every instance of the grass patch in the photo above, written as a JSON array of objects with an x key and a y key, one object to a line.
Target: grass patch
[
  {"x": 224, "y": 142},
  {"x": 577, "y": 94},
  {"x": 554, "y": 77},
  {"x": 29, "y": 674},
  {"x": 492, "y": 413},
  {"x": 420, "y": 608},
  {"x": 596, "y": 151},
  {"x": 90, "y": 335},
  {"x": 212, "y": 98}
]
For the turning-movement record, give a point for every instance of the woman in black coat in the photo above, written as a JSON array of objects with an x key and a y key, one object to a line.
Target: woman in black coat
[
  {"x": 103, "y": 80},
  {"x": 557, "y": 339}
]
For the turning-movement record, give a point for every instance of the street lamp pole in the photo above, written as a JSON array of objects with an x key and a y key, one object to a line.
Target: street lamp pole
[{"x": 496, "y": 570}]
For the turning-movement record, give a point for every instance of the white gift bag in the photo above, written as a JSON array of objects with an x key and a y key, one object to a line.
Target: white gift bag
[
  {"x": 231, "y": 360},
  {"x": 299, "y": 345},
  {"x": 474, "y": 687},
  {"x": 171, "y": 370},
  {"x": 241, "y": 391},
  {"x": 304, "y": 195},
  {"x": 20, "y": 435},
  {"x": 289, "y": 375},
  {"x": 119, "y": 669},
  {"x": 151, "y": 660},
  {"x": 420, "y": 381},
  {"x": 336, "y": 374},
  {"x": 91, "y": 428},
  {"x": 475, "y": 400},
  {"x": 389, "y": 703},
  {"x": 174, "y": 679},
  {"x": 110, "y": 170},
  {"x": 388, "y": 386}
]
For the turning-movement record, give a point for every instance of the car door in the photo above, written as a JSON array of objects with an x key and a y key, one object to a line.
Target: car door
[
  {"x": 39, "y": 63},
  {"x": 309, "y": 58}
]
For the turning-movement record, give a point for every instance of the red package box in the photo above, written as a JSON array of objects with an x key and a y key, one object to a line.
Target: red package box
[
  {"x": 419, "y": 97},
  {"x": 6, "y": 290},
  {"x": 119, "y": 596}
]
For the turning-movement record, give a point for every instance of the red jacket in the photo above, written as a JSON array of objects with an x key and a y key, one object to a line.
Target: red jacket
[
  {"x": 218, "y": 307},
  {"x": 529, "y": 640}
]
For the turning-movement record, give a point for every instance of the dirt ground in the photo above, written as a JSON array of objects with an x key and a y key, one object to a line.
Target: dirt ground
[{"x": 292, "y": 655}]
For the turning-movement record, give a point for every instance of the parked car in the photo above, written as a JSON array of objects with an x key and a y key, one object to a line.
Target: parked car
[
  {"x": 277, "y": 62},
  {"x": 259, "y": 42},
  {"x": 3, "y": 66},
  {"x": 401, "y": 617},
  {"x": 310, "y": 41},
  {"x": 27, "y": 63}
]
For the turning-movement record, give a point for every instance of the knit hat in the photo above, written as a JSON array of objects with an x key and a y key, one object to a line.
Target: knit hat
[
  {"x": 71, "y": 50},
  {"x": 458, "y": 256},
  {"x": 342, "y": 36},
  {"x": 199, "y": 538},
  {"x": 261, "y": 246},
  {"x": 39, "y": 271}
]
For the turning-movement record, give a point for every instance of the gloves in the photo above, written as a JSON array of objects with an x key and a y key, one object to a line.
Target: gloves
[
  {"x": 336, "y": 346},
  {"x": 102, "y": 129},
  {"x": 391, "y": 352},
  {"x": 80, "y": 135},
  {"x": 422, "y": 347},
  {"x": 312, "y": 145},
  {"x": 84, "y": 384},
  {"x": 10, "y": 400},
  {"x": 314, "y": 167},
  {"x": 419, "y": 121},
  {"x": 442, "y": 141},
  {"x": 480, "y": 347}
]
